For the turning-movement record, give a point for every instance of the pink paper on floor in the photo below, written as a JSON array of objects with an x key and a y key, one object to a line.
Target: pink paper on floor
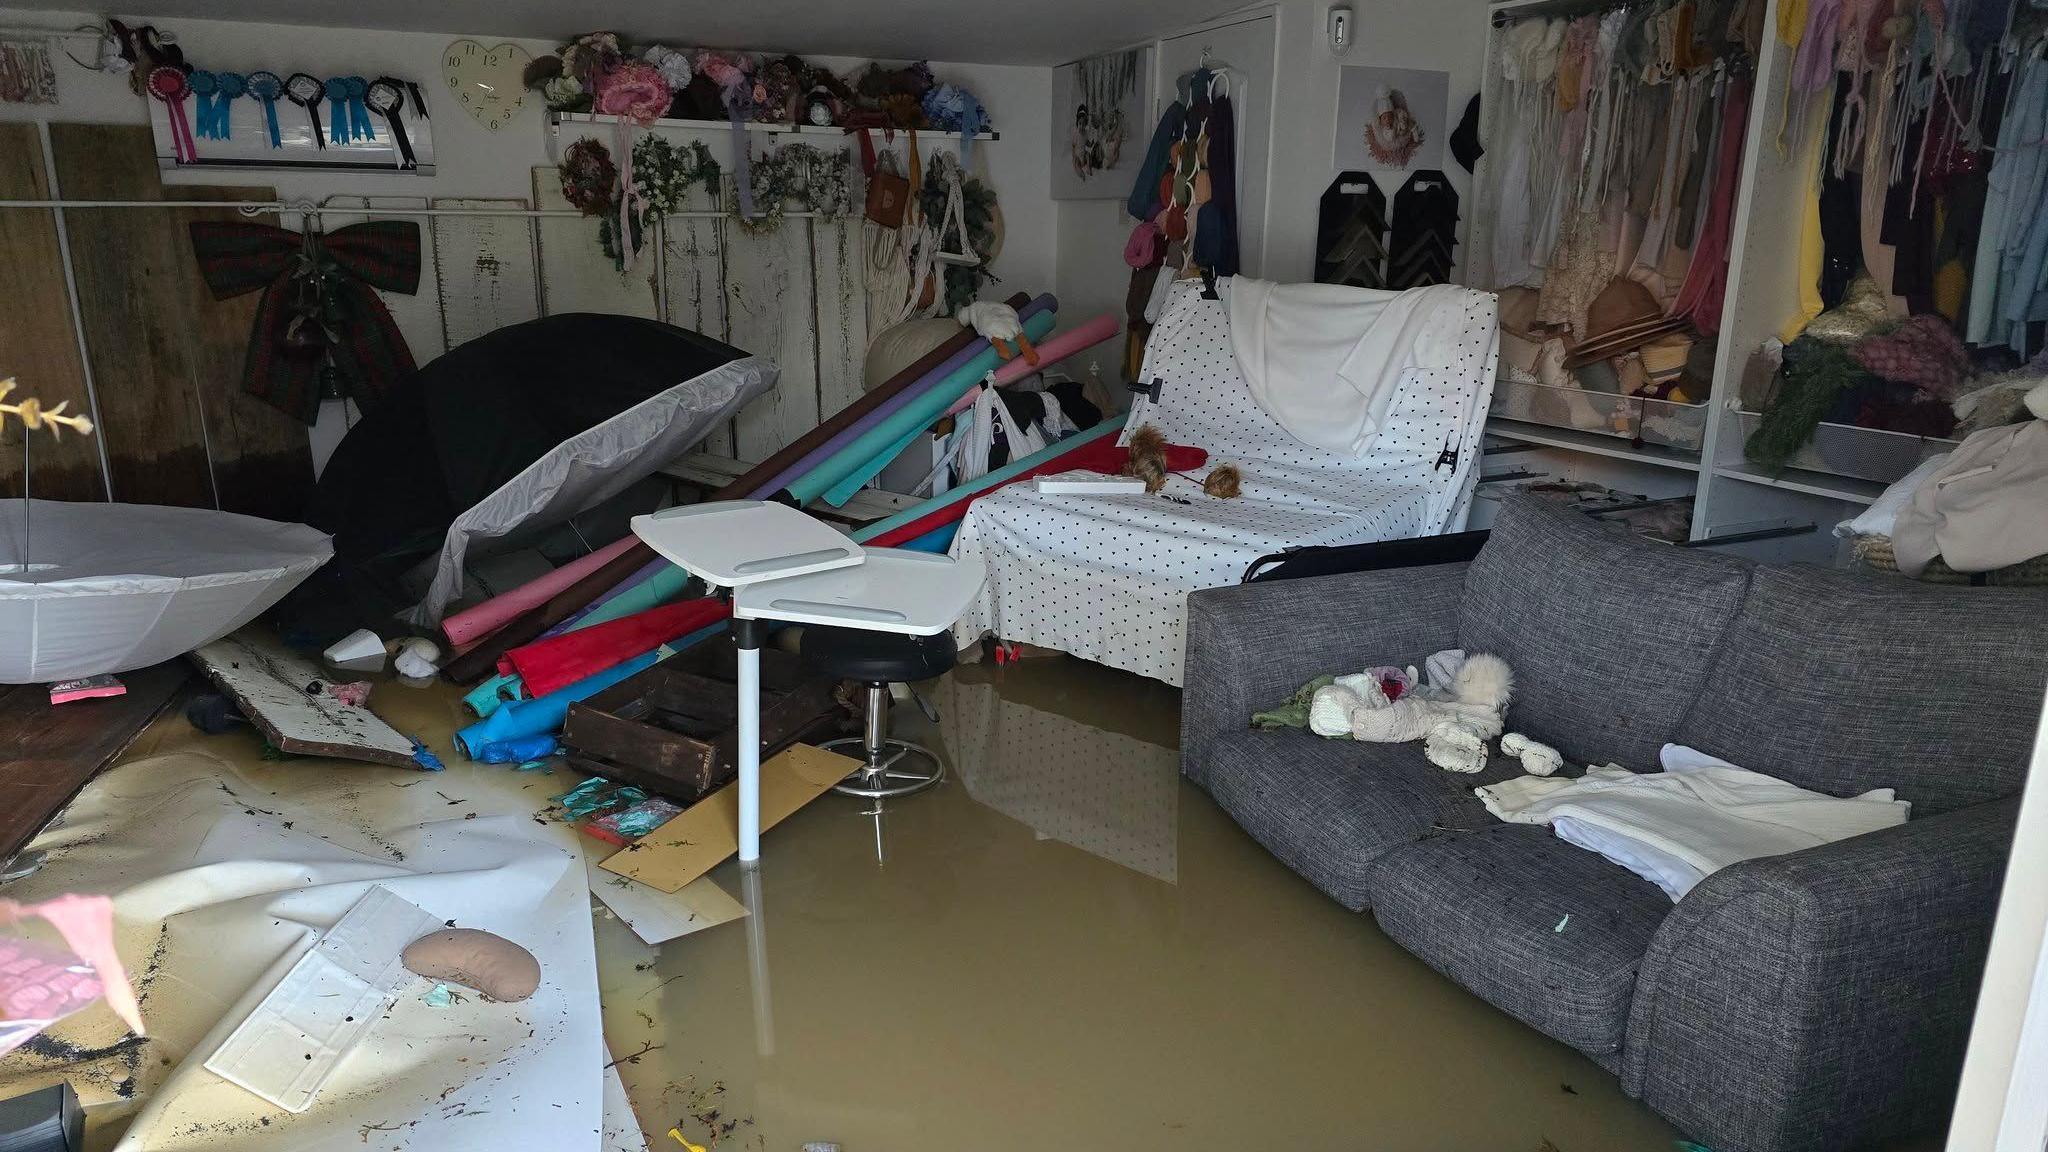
[{"x": 40, "y": 985}]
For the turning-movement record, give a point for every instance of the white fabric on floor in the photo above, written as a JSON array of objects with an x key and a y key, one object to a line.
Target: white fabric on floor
[
  {"x": 1677, "y": 827},
  {"x": 110, "y": 587},
  {"x": 219, "y": 887},
  {"x": 1106, "y": 577}
]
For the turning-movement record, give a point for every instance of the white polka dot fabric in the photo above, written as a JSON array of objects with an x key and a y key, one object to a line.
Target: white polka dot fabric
[{"x": 1107, "y": 577}]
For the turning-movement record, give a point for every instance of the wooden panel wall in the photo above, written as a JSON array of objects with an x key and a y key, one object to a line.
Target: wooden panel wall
[
  {"x": 796, "y": 295},
  {"x": 37, "y": 342},
  {"x": 166, "y": 357}
]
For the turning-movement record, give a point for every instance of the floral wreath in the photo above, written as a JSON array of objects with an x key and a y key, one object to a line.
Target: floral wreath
[{"x": 813, "y": 179}]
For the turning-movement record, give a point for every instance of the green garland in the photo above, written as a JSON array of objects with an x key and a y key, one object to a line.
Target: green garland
[
  {"x": 810, "y": 178},
  {"x": 1813, "y": 376}
]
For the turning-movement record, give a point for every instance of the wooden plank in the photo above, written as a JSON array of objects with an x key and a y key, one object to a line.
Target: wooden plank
[
  {"x": 262, "y": 456},
  {"x": 575, "y": 274},
  {"x": 694, "y": 264},
  {"x": 49, "y": 751},
  {"x": 486, "y": 275},
  {"x": 169, "y": 355},
  {"x": 838, "y": 270},
  {"x": 768, "y": 293},
  {"x": 136, "y": 307},
  {"x": 268, "y": 685},
  {"x": 38, "y": 344}
]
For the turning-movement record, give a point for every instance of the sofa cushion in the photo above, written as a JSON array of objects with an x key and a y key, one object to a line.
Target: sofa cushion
[
  {"x": 1330, "y": 808},
  {"x": 1609, "y": 636},
  {"x": 1488, "y": 909},
  {"x": 1842, "y": 682}
]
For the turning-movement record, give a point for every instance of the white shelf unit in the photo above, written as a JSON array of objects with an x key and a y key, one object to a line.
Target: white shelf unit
[
  {"x": 1731, "y": 496},
  {"x": 926, "y": 135}
]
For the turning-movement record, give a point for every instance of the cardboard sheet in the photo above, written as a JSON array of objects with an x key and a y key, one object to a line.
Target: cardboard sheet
[
  {"x": 707, "y": 832},
  {"x": 656, "y": 916}
]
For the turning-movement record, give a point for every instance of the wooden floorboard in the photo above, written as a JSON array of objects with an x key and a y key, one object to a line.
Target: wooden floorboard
[{"x": 49, "y": 751}]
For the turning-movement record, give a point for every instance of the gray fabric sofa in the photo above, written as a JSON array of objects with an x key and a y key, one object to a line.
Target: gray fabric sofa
[{"x": 1818, "y": 1000}]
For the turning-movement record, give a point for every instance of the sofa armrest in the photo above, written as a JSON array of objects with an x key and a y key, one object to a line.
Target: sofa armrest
[
  {"x": 1250, "y": 645},
  {"x": 1822, "y": 999}
]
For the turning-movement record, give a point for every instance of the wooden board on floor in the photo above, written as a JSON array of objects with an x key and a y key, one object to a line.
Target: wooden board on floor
[
  {"x": 268, "y": 685},
  {"x": 49, "y": 751},
  {"x": 168, "y": 357},
  {"x": 38, "y": 344}
]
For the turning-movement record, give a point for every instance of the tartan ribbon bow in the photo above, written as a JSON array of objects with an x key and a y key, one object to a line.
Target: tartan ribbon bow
[{"x": 320, "y": 321}]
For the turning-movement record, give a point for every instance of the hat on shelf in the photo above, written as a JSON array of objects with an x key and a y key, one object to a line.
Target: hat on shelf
[
  {"x": 1665, "y": 357},
  {"x": 1521, "y": 338},
  {"x": 1624, "y": 316}
]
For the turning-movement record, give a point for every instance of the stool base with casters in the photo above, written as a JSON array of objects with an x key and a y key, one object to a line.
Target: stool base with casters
[{"x": 890, "y": 767}]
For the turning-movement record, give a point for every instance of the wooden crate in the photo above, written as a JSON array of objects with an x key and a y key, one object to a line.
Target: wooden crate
[{"x": 672, "y": 729}]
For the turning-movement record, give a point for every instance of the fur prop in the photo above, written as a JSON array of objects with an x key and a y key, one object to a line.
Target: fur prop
[
  {"x": 1224, "y": 482},
  {"x": 1148, "y": 457},
  {"x": 1463, "y": 706}
]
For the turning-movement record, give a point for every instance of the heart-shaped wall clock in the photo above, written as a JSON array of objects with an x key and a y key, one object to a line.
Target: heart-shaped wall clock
[{"x": 488, "y": 82}]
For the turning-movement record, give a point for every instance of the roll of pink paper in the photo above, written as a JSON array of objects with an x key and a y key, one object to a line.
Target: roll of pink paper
[
  {"x": 1060, "y": 346},
  {"x": 472, "y": 624}
]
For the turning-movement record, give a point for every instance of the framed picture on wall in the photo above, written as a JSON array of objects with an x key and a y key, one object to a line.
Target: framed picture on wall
[
  {"x": 1101, "y": 124},
  {"x": 1392, "y": 119}
]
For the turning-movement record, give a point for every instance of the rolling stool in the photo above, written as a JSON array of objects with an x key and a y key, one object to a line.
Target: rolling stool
[{"x": 877, "y": 660}]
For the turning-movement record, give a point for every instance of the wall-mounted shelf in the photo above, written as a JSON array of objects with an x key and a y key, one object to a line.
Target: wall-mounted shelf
[
  {"x": 1592, "y": 443},
  {"x": 1834, "y": 487},
  {"x": 557, "y": 119}
]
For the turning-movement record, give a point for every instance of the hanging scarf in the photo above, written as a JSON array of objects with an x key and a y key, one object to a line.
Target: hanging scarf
[{"x": 320, "y": 317}]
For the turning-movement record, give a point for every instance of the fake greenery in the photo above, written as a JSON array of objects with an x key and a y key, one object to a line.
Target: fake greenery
[
  {"x": 1815, "y": 373},
  {"x": 795, "y": 177}
]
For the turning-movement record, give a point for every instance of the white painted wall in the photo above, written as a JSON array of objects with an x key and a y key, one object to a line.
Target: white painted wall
[
  {"x": 472, "y": 162},
  {"x": 1445, "y": 35}
]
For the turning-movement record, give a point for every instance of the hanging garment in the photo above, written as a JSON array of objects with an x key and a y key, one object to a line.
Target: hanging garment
[
  {"x": 1144, "y": 201},
  {"x": 1677, "y": 827},
  {"x": 2012, "y": 205},
  {"x": 1215, "y": 235},
  {"x": 1323, "y": 360},
  {"x": 312, "y": 327},
  {"x": 1700, "y": 297}
]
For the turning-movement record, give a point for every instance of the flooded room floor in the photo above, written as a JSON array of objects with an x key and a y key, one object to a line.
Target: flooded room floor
[
  {"x": 1063, "y": 947},
  {"x": 1066, "y": 946}
]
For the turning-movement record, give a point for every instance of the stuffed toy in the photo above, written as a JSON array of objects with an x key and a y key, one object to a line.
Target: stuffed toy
[
  {"x": 1148, "y": 457},
  {"x": 997, "y": 322},
  {"x": 1462, "y": 706},
  {"x": 1538, "y": 759}
]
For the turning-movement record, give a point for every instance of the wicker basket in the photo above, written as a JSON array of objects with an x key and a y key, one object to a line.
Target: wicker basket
[{"x": 1875, "y": 552}]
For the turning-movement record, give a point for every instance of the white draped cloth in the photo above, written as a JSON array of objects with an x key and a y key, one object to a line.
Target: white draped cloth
[{"x": 1106, "y": 577}]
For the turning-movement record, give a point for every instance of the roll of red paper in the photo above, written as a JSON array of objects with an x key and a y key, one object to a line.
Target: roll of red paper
[{"x": 559, "y": 661}]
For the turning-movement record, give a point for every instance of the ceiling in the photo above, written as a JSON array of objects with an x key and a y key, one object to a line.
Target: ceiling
[{"x": 972, "y": 31}]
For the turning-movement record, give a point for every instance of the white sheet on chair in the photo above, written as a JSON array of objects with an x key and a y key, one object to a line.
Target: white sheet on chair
[
  {"x": 1107, "y": 577},
  {"x": 1323, "y": 360}
]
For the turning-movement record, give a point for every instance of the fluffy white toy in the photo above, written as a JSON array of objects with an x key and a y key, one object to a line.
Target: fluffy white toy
[
  {"x": 1538, "y": 759},
  {"x": 1463, "y": 706},
  {"x": 997, "y": 322}
]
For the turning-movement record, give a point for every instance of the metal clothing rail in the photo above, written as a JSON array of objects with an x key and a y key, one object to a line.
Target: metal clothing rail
[
  {"x": 311, "y": 208},
  {"x": 57, "y": 205}
]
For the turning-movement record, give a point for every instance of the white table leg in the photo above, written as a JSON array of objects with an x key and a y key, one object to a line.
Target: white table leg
[{"x": 747, "y": 633}]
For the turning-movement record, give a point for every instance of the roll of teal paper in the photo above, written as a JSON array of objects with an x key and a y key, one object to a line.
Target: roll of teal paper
[
  {"x": 866, "y": 456},
  {"x": 518, "y": 719}
]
